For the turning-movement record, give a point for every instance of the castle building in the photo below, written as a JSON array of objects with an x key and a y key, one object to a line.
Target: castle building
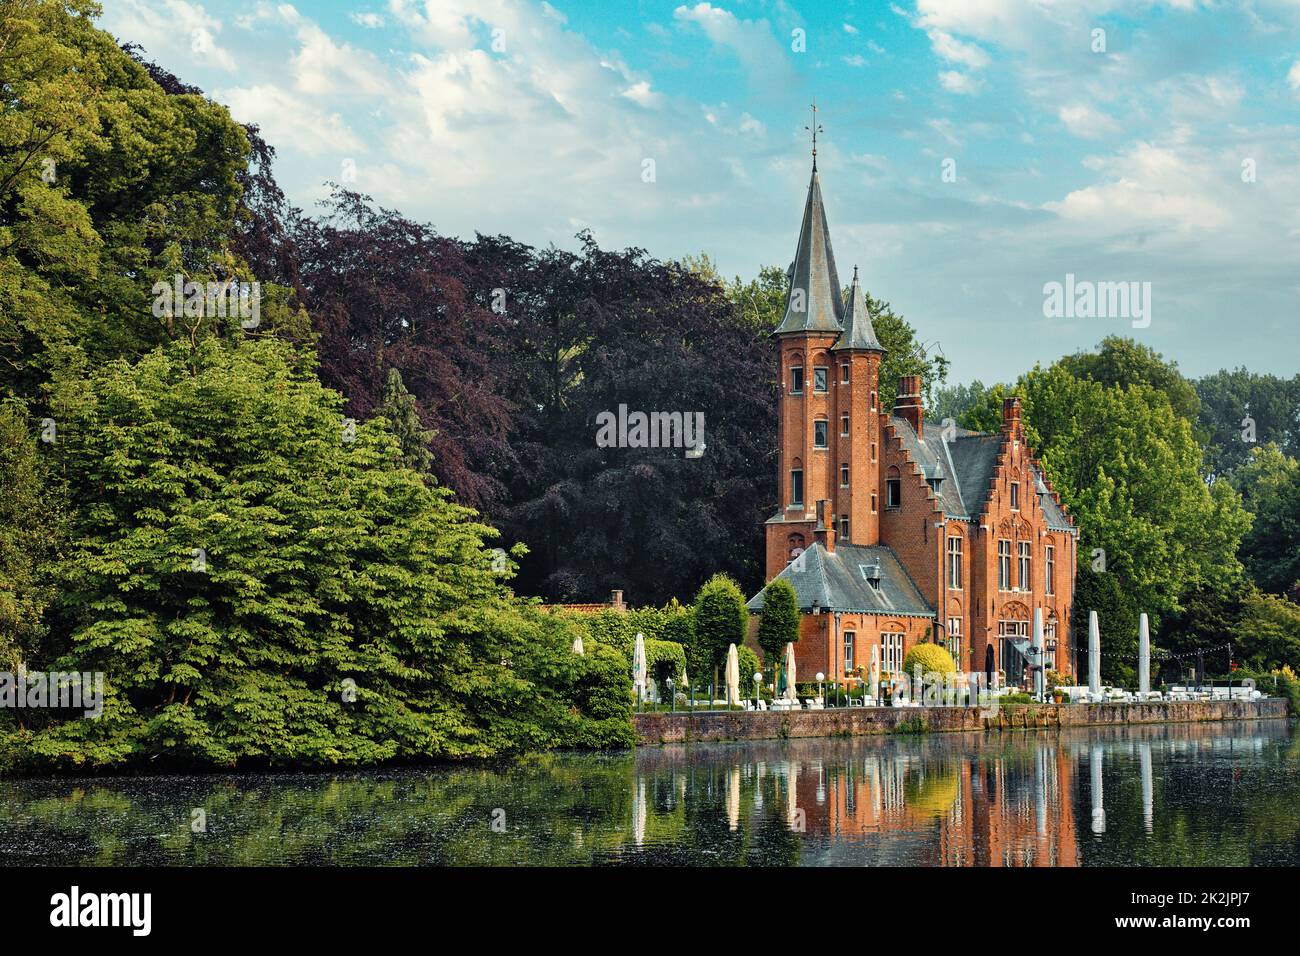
[{"x": 892, "y": 529}]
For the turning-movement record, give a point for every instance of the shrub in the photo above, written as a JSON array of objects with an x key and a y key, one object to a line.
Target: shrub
[{"x": 931, "y": 657}]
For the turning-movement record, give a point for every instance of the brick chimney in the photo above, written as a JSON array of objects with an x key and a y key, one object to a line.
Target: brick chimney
[
  {"x": 825, "y": 530},
  {"x": 1010, "y": 413},
  {"x": 616, "y": 601},
  {"x": 908, "y": 405}
]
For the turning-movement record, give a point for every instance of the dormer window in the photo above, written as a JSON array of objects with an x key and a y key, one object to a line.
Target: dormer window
[
  {"x": 871, "y": 574},
  {"x": 796, "y": 380}
]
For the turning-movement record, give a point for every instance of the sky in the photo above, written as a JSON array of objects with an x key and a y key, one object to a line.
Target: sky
[{"x": 973, "y": 151}]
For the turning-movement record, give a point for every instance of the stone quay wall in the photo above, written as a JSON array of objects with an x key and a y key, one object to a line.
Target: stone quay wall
[{"x": 657, "y": 728}]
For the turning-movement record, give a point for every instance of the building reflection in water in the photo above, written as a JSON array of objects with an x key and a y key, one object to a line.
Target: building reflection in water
[{"x": 1014, "y": 799}]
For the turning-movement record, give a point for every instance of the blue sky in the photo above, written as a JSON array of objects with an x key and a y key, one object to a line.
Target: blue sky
[{"x": 1171, "y": 157}]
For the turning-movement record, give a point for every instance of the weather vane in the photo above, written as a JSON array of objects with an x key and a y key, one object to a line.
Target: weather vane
[{"x": 815, "y": 128}]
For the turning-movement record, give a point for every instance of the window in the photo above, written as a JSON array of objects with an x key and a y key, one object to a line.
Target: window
[
  {"x": 1015, "y": 496},
  {"x": 893, "y": 493},
  {"x": 820, "y": 373},
  {"x": 1049, "y": 568},
  {"x": 891, "y": 652},
  {"x": 1012, "y": 660},
  {"x": 820, "y": 429},
  {"x": 850, "y": 638},
  {"x": 796, "y": 486},
  {"x": 796, "y": 380},
  {"x": 954, "y": 563},
  {"x": 873, "y": 451},
  {"x": 1026, "y": 582},
  {"x": 874, "y": 406},
  {"x": 954, "y": 639},
  {"x": 844, "y": 373},
  {"x": 844, "y": 528},
  {"x": 844, "y": 476},
  {"x": 844, "y": 425},
  {"x": 1004, "y": 565},
  {"x": 1049, "y": 642},
  {"x": 873, "y": 504}
]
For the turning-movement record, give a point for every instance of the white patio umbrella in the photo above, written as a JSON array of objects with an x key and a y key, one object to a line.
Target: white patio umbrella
[
  {"x": 638, "y": 666},
  {"x": 733, "y": 676},
  {"x": 789, "y": 673},
  {"x": 1094, "y": 656},
  {"x": 873, "y": 687},
  {"x": 577, "y": 646},
  {"x": 1144, "y": 657}
]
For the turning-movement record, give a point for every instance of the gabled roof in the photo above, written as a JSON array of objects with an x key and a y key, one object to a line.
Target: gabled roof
[
  {"x": 834, "y": 581},
  {"x": 821, "y": 306},
  {"x": 858, "y": 331},
  {"x": 968, "y": 464}
]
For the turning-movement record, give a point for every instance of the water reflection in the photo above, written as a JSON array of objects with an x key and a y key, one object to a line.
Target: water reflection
[{"x": 1187, "y": 794}]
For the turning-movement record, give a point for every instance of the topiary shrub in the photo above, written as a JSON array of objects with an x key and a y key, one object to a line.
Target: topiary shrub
[{"x": 931, "y": 657}]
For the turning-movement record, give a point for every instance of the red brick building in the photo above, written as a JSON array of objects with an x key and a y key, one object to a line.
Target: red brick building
[{"x": 891, "y": 528}]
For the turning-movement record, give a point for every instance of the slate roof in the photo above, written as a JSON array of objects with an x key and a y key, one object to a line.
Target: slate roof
[
  {"x": 858, "y": 330},
  {"x": 814, "y": 272},
  {"x": 967, "y": 465},
  {"x": 835, "y": 582}
]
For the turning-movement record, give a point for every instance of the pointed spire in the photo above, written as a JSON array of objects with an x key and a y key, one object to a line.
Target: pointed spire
[
  {"x": 859, "y": 333},
  {"x": 814, "y": 302}
]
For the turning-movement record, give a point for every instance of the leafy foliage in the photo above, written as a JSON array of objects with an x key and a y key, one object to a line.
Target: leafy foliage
[
  {"x": 930, "y": 657},
  {"x": 720, "y": 620},
  {"x": 779, "y": 622}
]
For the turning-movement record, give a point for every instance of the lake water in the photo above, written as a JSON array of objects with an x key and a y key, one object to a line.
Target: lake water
[{"x": 1183, "y": 794}]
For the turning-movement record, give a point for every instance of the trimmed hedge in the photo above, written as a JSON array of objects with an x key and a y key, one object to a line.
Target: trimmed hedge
[{"x": 931, "y": 657}]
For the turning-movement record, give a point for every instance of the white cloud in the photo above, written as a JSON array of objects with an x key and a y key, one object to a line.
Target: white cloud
[
  {"x": 289, "y": 118},
  {"x": 1294, "y": 76},
  {"x": 955, "y": 51},
  {"x": 752, "y": 41},
  {"x": 185, "y": 32},
  {"x": 1082, "y": 120},
  {"x": 856, "y": 60},
  {"x": 850, "y": 29},
  {"x": 955, "y": 82},
  {"x": 371, "y": 21}
]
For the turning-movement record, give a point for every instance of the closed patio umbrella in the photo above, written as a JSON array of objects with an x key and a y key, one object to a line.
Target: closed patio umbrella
[
  {"x": 639, "y": 667},
  {"x": 873, "y": 688},
  {"x": 733, "y": 676},
  {"x": 577, "y": 646}
]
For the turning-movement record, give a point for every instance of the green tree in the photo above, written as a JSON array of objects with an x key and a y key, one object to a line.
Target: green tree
[
  {"x": 32, "y": 518},
  {"x": 1241, "y": 410},
  {"x": 262, "y": 586},
  {"x": 402, "y": 412},
  {"x": 720, "y": 620},
  {"x": 1270, "y": 488},
  {"x": 1119, "y": 361},
  {"x": 779, "y": 623}
]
